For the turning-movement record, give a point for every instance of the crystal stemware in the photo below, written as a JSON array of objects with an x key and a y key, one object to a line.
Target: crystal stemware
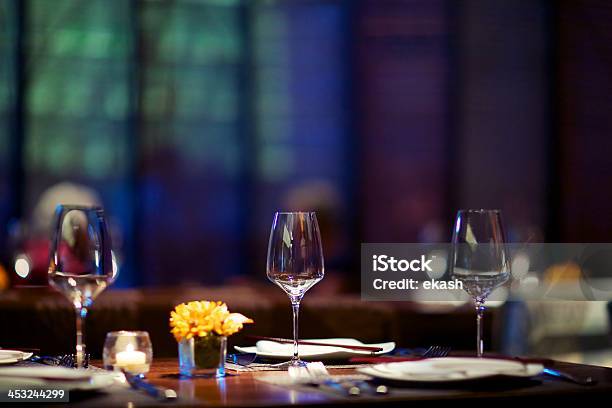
[
  {"x": 81, "y": 262},
  {"x": 295, "y": 261},
  {"x": 479, "y": 259}
]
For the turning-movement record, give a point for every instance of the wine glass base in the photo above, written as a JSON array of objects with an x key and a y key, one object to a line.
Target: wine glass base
[{"x": 290, "y": 363}]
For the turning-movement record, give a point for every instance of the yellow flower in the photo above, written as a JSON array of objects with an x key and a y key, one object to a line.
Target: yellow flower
[
  {"x": 233, "y": 324},
  {"x": 200, "y": 318}
]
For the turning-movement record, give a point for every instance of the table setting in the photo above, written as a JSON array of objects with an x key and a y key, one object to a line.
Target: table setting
[{"x": 82, "y": 265}]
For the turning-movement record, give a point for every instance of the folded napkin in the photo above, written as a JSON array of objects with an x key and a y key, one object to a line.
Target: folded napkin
[{"x": 272, "y": 347}]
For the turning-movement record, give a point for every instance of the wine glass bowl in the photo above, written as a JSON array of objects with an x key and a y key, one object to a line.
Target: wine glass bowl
[
  {"x": 479, "y": 258},
  {"x": 81, "y": 261},
  {"x": 295, "y": 261}
]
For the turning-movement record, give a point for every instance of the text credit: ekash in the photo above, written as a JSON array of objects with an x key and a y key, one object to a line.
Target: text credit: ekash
[
  {"x": 403, "y": 272},
  {"x": 385, "y": 263}
]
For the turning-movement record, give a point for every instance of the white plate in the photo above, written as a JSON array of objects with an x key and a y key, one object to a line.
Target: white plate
[
  {"x": 55, "y": 377},
  {"x": 451, "y": 369},
  {"x": 13, "y": 356},
  {"x": 279, "y": 351}
]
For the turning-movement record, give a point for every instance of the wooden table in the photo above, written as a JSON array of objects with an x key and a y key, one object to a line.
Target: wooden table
[{"x": 245, "y": 391}]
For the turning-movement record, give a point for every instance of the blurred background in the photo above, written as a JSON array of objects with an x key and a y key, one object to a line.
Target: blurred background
[{"x": 192, "y": 121}]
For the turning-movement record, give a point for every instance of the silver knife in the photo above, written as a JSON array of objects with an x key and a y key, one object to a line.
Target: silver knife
[
  {"x": 569, "y": 377},
  {"x": 138, "y": 383}
]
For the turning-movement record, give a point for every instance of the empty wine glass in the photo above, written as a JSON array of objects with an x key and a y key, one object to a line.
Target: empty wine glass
[
  {"x": 81, "y": 262},
  {"x": 295, "y": 261},
  {"x": 479, "y": 259}
]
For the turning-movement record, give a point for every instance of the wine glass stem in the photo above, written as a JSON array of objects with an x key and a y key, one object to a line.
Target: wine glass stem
[
  {"x": 296, "y": 312},
  {"x": 81, "y": 314},
  {"x": 479, "y": 316}
]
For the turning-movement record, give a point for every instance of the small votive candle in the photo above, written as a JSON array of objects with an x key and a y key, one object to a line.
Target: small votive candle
[{"x": 128, "y": 350}]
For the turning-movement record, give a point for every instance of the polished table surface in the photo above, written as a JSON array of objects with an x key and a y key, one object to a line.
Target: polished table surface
[{"x": 243, "y": 390}]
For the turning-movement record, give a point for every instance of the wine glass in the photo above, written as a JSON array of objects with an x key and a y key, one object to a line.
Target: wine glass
[
  {"x": 81, "y": 262},
  {"x": 479, "y": 259},
  {"x": 295, "y": 262}
]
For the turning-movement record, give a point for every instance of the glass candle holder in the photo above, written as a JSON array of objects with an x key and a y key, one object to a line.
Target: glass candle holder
[
  {"x": 128, "y": 350},
  {"x": 203, "y": 357}
]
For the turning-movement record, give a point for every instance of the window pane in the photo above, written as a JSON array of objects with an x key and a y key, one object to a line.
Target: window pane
[
  {"x": 191, "y": 142},
  {"x": 79, "y": 57}
]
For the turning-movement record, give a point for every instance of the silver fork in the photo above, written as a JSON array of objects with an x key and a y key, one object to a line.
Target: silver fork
[
  {"x": 353, "y": 384},
  {"x": 349, "y": 385},
  {"x": 437, "y": 351},
  {"x": 64, "y": 360}
]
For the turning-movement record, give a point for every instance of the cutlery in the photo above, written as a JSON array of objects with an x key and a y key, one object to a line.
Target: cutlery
[
  {"x": 317, "y": 375},
  {"x": 69, "y": 360},
  {"x": 345, "y": 388},
  {"x": 352, "y": 385},
  {"x": 349, "y": 385},
  {"x": 570, "y": 377},
  {"x": 64, "y": 360},
  {"x": 241, "y": 359},
  {"x": 246, "y": 359},
  {"x": 558, "y": 373},
  {"x": 368, "y": 388},
  {"x": 138, "y": 383},
  {"x": 437, "y": 351},
  {"x": 315, "y": 343},
  {"x": 431, "y": 352}
]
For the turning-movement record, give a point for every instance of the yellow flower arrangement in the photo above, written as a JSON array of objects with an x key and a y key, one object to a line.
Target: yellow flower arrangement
[{"x": 199, "y": 319}]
